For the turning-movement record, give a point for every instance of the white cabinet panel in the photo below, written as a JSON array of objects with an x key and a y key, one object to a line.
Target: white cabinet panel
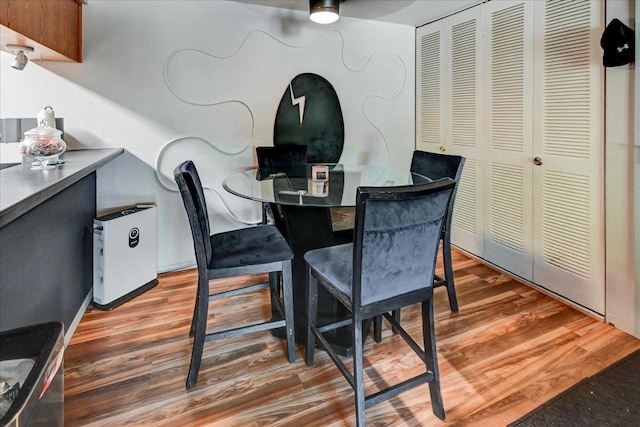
[
  {"x": 464, "y": 81},
  {"x": 568, "y": 203},
  {"x": 516, "y": 87},
  {"x": 448, "y": 116},
  {"x": 430, "y": 107},
  {"x": 466, "y": 225},
  {"x": 508, "y": 84}
]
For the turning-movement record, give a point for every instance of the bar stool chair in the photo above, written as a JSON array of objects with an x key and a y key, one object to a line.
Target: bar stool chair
[
  {"x": 272, "y": 158},
  {"x": 437, "y": 166},
  {"x": 252, "y": 250},
  {"x": 389, "y": 265}
]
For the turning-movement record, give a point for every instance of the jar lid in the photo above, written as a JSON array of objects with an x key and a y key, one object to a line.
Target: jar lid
[{"x": 43, "y": 131}]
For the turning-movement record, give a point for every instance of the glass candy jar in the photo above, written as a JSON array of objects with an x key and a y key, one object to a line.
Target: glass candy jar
[{"x": 42, "y": 143}]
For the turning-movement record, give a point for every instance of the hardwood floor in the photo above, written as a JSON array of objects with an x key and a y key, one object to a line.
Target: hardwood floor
[{"x": 509, "y": 349}]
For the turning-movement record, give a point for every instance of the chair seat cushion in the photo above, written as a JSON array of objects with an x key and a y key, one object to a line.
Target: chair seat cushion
[
  {"x": 248, "y": 246},
  {"x": 334, "y": 264}
]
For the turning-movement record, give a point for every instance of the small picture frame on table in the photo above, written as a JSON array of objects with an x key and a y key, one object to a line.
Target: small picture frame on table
[{"x": 320, "y": 173}]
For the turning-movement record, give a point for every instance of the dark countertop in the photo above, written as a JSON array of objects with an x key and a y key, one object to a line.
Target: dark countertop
[{"x": 22, "y": 188}]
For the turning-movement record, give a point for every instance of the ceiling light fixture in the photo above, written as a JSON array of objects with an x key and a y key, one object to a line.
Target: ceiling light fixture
[
  {"x": 324, "y": 11},
  {"x": 21, "y": 59}
]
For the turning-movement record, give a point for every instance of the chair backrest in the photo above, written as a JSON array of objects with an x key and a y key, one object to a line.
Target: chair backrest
[
  {"x": 396, "y": 237},
  {"x": 437, "y": 166},
  {"x": 274, "y": 160},
  {"x": 281, "y": 155},
  {"x": 186, "y": 176}
]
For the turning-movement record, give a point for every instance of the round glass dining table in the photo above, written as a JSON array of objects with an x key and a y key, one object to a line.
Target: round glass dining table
[
  {"x": 303, "y": 195},
  {"x": 315, "y": 185}
]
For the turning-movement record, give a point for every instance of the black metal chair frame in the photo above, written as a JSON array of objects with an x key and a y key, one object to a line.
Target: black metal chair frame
[
  {"x": 281, "y": 293},
  {"x": 384, "y": 307}
]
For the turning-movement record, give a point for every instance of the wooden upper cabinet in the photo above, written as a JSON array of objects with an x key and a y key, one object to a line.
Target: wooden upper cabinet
[{"x": 53, "y": 28}]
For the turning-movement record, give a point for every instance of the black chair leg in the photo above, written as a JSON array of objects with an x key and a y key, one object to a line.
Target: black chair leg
[
  {"x": 274, "y": 285},
  {"x": 287, "y": 296},
  {"x": 431, "y": 357},
  {"x": 312, "y": 310},
  {"x": 377, "y": 325},
  {"x": 194, "y": 317},
  {"x": 396, "y": 317},
  {"x": 358, "y": 370},
  {"x": 199, "y": 326},
  {"x": 448, "y": 274},
  {"x": 377, "y": 328}
]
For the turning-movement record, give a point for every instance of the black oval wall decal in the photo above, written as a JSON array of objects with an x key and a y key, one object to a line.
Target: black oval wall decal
[{"x": 309, "y": 114}]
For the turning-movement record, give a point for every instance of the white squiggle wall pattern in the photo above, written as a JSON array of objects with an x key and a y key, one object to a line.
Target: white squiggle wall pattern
[{"x": 197, "y": 79}]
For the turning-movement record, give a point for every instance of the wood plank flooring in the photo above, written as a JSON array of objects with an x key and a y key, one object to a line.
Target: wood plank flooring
[{"x": 509, "y": 349}]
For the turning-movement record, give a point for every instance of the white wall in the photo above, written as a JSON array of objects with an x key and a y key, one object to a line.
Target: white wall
[
  {"x": 636, "y": 210},
  {"x": 622, "y": 307},
  {"x": 228, "y": 65}
]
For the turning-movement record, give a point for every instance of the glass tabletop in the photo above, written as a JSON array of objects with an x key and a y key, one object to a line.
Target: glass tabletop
[{"x": 325, "y": 185}]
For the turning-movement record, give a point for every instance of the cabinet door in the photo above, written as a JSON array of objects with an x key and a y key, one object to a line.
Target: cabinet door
[
  {"x": 508, "y": 84},
  {"x": 449, "y": 55},
  {"x": 430, "y": 87},
  {"x": 568, "y": 135},
  {"x": 464, "y": 124},
  {"x": 52, "y": 27}
]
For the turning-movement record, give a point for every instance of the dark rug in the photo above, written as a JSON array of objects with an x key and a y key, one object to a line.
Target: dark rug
[{"x": 609, "y": 398}]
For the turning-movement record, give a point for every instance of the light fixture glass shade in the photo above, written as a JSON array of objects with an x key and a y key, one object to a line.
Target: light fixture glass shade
[{"x": 324, "y": 11}]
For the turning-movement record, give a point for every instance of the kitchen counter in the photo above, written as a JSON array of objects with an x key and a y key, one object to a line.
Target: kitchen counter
[
  {"x": 46, "y": 240},
  {"x": 21, "y": 188}
]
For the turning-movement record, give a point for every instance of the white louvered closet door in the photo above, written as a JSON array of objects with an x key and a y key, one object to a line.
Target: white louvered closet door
[
  {"x": 568, "y": 139},
  {"x": 508, "y": 84},
  {"x": 430, "y": 87},
  {"x": 449, "y": 71},
  {"x": 464, "y": 124}
]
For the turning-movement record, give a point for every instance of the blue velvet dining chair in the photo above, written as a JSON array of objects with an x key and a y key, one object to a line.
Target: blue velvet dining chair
[
  {"x": 389, "y": 265},
  {"x": 270, "y": 159},
  {"x": 281, "y": 155},
  {"x": 252, "y": 250},
  {"x": 437, "y": 166}
]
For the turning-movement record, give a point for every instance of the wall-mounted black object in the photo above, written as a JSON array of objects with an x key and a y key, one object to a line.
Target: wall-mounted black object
[
  {"x": 618, "y": 43},
  {"x": 309, "y": 114}
]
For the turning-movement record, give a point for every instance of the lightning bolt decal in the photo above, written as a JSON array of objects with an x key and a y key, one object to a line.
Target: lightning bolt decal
[{"x": 299, "y": 101}]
